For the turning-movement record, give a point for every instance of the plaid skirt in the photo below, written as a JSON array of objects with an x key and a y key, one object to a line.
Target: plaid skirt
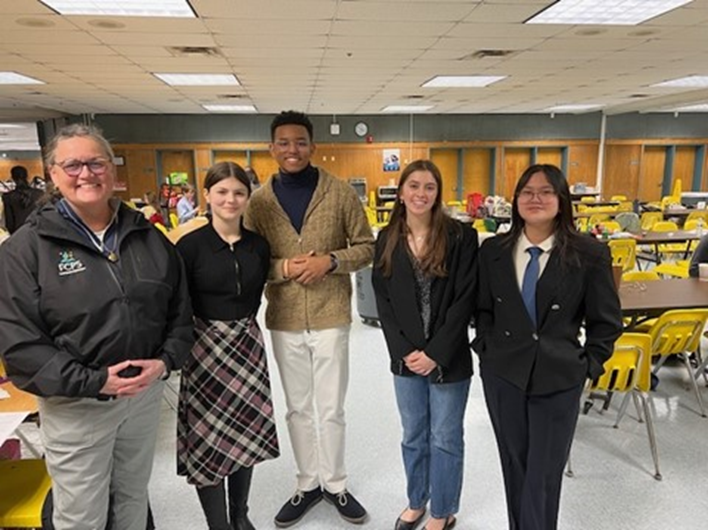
[{"x": 225, "y": 414}]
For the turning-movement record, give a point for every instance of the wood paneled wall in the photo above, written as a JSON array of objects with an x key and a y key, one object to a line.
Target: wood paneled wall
[
  {"x": 621, "y": 175},
  {"x": 34, "y": 167},
  {"x": 684, "y": 161},
  {"x": 634, "y": 168}
]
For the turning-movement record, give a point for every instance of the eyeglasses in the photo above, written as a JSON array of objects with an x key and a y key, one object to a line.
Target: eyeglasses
[
  {"x": 543, "y": 195},
  {"x": 73, "y": 168}
]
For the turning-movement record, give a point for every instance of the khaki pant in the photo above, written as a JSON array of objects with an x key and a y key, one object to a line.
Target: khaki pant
[
  {"x": 99, "y": 448},
  {"x": 314, "y": 370}
]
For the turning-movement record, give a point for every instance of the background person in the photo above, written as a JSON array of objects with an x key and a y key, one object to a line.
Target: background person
[
  {"x": 21, "y": 201},
  {"x": 186, "y": 208},
  {"x": 538, "y": 283},
  {"x": 95, "y": 311},
  {"x": 225, "y": 414},
  {"x": 424, "y": 282},
  {"x": 700, "y": 255},
  {"x": 318, "y": 235}
]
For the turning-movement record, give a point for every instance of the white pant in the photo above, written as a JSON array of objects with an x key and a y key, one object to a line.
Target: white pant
[
  {"x": 314, "y": 369},
  {"x": 96, "y": 448}
]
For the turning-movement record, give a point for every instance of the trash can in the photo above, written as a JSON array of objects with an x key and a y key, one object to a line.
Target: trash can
[{"x": 365, "y": 299}]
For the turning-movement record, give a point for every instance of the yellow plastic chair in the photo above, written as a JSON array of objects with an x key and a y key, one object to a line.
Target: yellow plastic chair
[
  {"x": 174, "y": 220},
  {"x": 619, "y": 198},
  {"x": 581, "y": 223},
  {"x": 694, "y": 216},
  {"x": 693, "y": 224},
  {"x": 676, "y": 269},
  {"x": 669, "y": 200},
  {"x": 667, "y": 248},
  {"x": 640, "y": 276},
  {"x": 628, "y": 371},
  {"x": 161, "y": 228},
  {"x": 624, "y": 253},
  {"x": 24, "y": 487},
  {"x": 598, "y": 218},
  {"x": 612, "y": 226},
  {"x": 580, "y": 208},
  {"x": 625, "y": 206},
  {"x": 648, "y": 219},
  {"x": 587, "y": 199},
  {"x": 679, "y": 332}
]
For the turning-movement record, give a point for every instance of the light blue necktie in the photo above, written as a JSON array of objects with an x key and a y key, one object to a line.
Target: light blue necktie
[{"x": 528, "y": 286}]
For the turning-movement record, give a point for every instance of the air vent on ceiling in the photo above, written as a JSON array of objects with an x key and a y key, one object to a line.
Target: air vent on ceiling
[
  {"x": 229, "y": 96},
  {"x": 485, "y": 54},
  {"x": 414, "y": 96},
  {"x": 639, "y": 96},
  {"x": 193, "y": 51}
]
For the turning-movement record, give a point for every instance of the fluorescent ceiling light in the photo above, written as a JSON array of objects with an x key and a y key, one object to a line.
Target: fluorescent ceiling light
[
  {"x": 693, "y": 81},
  {"x": 572, "y": 108},
  {"x": 13, "y": 78},
  {"x": 122, "y": 8},
  {"x": 230, "y": 108},
  {"x": 462, "y": 81},
  {"x": 609, "y": 12},
  {"x": 407, "y": 109},
  {"x": 198, "y": 79},
  {"x": 11, "y": 126}
]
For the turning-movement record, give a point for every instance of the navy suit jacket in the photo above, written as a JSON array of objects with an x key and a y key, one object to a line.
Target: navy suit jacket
[
  {"x": 452, "y": 304},
  {"x": 550, "y": 357}
]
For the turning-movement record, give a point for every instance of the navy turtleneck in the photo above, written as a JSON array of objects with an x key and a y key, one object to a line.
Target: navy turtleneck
[{"x": 294, "y": 192}]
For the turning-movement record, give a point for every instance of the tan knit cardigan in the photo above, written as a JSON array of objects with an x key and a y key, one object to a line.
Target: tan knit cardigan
[{"x": 335, "y": 223}]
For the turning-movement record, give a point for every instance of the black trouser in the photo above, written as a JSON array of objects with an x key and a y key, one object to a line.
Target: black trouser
[
  {"x": 213, "y": 499},
  {"x": 534, "y": 434}
]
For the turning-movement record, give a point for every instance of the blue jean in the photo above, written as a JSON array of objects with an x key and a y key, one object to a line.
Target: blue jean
[{"x": 433, "y": 444}]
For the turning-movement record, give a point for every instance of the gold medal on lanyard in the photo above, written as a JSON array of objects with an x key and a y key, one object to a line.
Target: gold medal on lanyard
[{"x": 112, "y": 257}]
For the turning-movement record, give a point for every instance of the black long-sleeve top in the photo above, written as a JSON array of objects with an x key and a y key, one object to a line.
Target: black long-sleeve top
[{"x": 225, "y": 281}]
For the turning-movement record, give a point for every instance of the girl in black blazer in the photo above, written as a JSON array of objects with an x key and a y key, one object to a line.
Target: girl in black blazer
[
  {"x": 538, "y": 284},
  {"x": 425, "y": 288}
]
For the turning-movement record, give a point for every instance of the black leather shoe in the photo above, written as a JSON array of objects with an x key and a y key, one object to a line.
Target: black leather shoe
[
  {"x": 242, "y": 523},
  {"x": 409, "y": 525}
]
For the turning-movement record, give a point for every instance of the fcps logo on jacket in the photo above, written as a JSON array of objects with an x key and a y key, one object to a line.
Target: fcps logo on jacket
[{"x": 68, "y": 264}]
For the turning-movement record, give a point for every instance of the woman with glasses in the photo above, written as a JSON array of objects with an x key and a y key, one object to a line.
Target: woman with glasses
[
  {"x": 225, "y": 417},
  {"x": 425, "y": 284},
  {"x": 538, "y": 284},
  {"x": 95, "y": 313}
]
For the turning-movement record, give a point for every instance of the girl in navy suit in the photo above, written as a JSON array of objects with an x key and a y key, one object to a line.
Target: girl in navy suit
[
  {"x": 538, "y": 284},
  {"x": 425, "y": 288}
]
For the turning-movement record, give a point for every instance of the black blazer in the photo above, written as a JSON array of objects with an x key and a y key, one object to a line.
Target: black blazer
[
  {"x": 452, "y": 300},
  {"x": 550, "y": 358}
]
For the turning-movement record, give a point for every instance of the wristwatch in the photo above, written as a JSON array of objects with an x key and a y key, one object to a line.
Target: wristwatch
[{"x": 333, "y": 263}]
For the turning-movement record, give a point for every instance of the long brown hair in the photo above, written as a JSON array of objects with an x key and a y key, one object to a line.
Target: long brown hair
[
  {"x": 433, "y": 261},
  {"x": 566, "y": 236}
]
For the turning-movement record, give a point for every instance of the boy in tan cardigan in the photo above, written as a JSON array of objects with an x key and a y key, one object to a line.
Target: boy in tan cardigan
[{"x": 318, "y": 234}]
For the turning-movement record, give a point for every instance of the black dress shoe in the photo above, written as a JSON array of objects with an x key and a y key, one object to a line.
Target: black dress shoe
[
  {"x": 242, "y": 523},
  {"x": 409, "y": 525}
]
